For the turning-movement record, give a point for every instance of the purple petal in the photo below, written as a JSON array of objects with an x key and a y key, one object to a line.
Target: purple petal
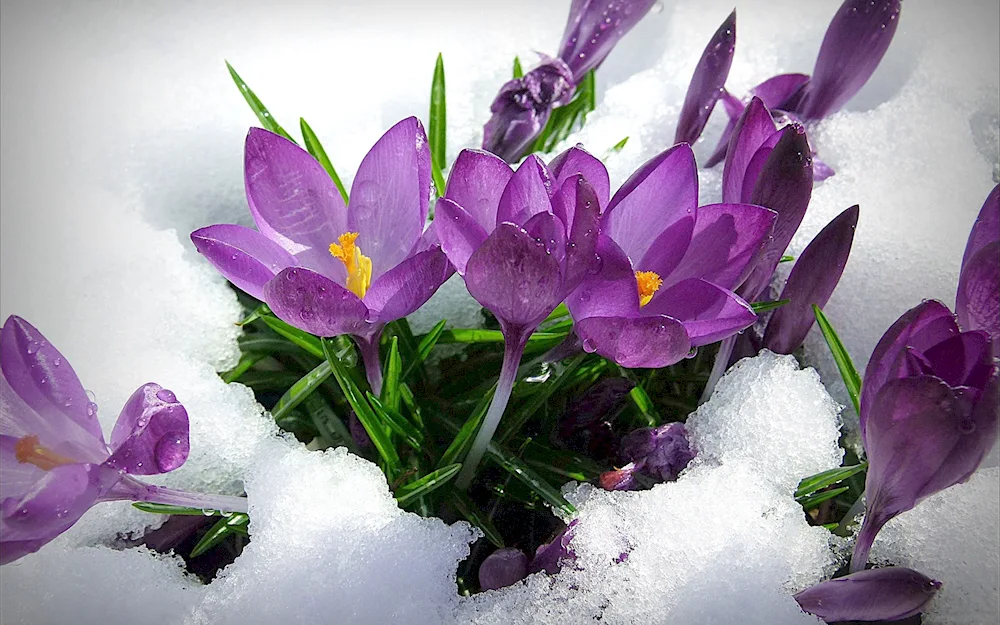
[
  {"x": 42, "y": 395},
  {"x": 476, "y": 182},
  {"x": 550, "y": 556},
  {"x": 390, "y": 195},
  {"x": 784, "y": 186},
  {"x": 612, "y": 291},
  {"x": 708, "y": 312},
  {"x": 314, "y": 303},
  {"x": 619, "y": 479},
  {"x": 576, "y": 160},
  {"x": 921, "y": 327},
  {"x": 667, "y": 251},
  {"x": 660, "y": 192},
  {"x": 886, "y": 594},
  {"x": 151, "y": 434},
  {"x": 719, "y": 154},
  {"x": 853, "y": 46},
  {"x": 821, "y": 171},
  {"x": 756, "y": 166},
  {"x": 750, "y": 132},
  {"x": 637, "y": 342},
  {"x": 458, "y": 231},
  {"x": 593, "y": 29},
  {"x": 245, "y": 257},
  {"x": 977, "y": 304},
  {"x": 407, "y": 286},
  {"x": 528, "y": 193},
  {"x": 725, "y": 240},
  {"x": 776, "y": 90},
  {"x": 811, "y": 281},
  {"x": 663, "y": 451},
  {"x": 961, "y": 360},
  {"x": 293, "y": 200},
  {"x": 18, "y": 477},
  {"x": 523, "y": 106},
  {"x": 708, "y": 82},
  {"x": 547, "y": 229},
  {"x": 986, "y": 229},
  {"x": 582, "y": 257},
  {"x": 513, "y": 276},
  {"x": 502, "y": 568}
]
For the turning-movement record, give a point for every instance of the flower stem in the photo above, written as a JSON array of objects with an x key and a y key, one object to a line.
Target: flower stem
[
  {"x": 513, "y": 348},
  {"x": 866, "y": 537},
  {"x": 136, "y": 490},
  {"x": 373, "y": 362}
]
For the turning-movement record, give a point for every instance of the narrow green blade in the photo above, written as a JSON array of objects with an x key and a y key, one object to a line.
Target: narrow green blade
[
  {"x": 393, "y": 373},
  {"x": 472, "y": 335},
  {"x": 246, "y": 361},
  {"x": 819, "y": 481},
  {"x": 477, "y": 517},
  {"x": 815, "y": 499},
  {"x": 529, "y": 478},
  {"x": 514, "y": 422},
  {"x": 786, "y": 259},
  {"x": 427, "y": 343},
  {"x": 162, "y": 508},
  {"x": 759, "y": 307},
  {"x": 518, "y": 70},
  {"x": 437, "y": 126},
  {"x": 844, "y": 363},
  {"x": 456, "y": 450},
  {"x": 304, "y": 340},
  {"x": 316, "y": 149},
  {"x": 409, "y": 493},
  {"x": 644, "y": 405},
  {"x": 397, "y": 423},
  {"x": 265, "y": 117},
  {"x": 235, "y": 524},
  {"x": 300, "y": 390},
  {"x": 618, "y": 147},
  {"x": 254, "y": 314},
  {"x": 329, "y": 425}
]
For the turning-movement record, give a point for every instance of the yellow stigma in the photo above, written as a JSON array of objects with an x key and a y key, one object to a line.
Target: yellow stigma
[
  {"x": 359, "y": 266},
  {"x": 649, "y": 283},
  {"x": 27, "y": 450}
]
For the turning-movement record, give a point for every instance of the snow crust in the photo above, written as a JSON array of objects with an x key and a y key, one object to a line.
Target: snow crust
[{"x": 122, "y": 132}]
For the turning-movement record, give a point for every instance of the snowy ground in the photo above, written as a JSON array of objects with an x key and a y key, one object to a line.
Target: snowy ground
[{"x": 122, "y": 132}]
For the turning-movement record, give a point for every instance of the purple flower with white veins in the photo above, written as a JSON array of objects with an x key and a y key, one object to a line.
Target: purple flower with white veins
[
  {"x": 886, "y": 594},
  {"x": 523, "y": 241},
  {"x": 55, "y": 463},
  {"x": 324, "y": 267},
  {"x": 522, "y": 108},
  {"x": 668, "y": 267}
]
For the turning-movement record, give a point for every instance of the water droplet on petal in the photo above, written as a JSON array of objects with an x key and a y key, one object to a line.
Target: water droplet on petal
[
  {"x": 589, "y": 346},
  {"x": 967, "y": 426},
  {"x": 166, "y": 395},
  {"x": 171, "y": 451}
]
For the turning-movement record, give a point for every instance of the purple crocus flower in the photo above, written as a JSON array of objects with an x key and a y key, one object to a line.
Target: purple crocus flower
[
  {"x": 977, "y": 304},
  {"x": 658, "y": 453},
  {"x": 668, "y": 267},
  {"x": 929, "y": 412},
  {"x": 502, "y": 568},
  {"x": 551, "y": 556},
  {"x": 524, "y": 104},
  {"x": 324, "y": 267},
  {"x": 523, "y": 241},
  {"x": 55, "y": 463},
  {"x": 854, "y": 44},
  {"x": 708, "y": 83},
  {"x": 885, "y": 594}
]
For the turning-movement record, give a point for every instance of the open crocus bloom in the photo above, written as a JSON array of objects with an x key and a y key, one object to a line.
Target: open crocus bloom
[
  {"x": 929, "y": 410},
  {"x": 668, "y": 267},
  {"x": 324, "y": 267},
  {"x": 55, "y": 463}
]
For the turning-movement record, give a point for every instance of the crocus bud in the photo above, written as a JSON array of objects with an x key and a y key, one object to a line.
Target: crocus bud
[
  {"x": 886, "y": 594},
  {"x": 551, "y": 556},
  {"x": 663, "y": 452},
  {"x": 502, "y": 568}
]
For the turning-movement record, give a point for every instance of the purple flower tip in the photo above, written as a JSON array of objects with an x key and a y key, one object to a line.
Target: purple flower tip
[
  {"x": 593, "y": 29},
  {"x": 885, "y": 594},
  {"x": 551, "y": 556},
  {"x": 661, "y": 453},
  {"x": 502, "y": 568},
  {"x": 708, "y": 83}
]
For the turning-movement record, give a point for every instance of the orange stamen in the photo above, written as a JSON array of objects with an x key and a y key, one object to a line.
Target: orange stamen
[
  {"x": 649, "y": 283},
  {"x": 359, "y": 266},
  {"x": 29, "y": 451}
]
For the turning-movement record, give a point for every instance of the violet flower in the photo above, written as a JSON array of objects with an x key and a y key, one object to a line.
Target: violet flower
[
  {"x": 523, "y": 241},
  {"x": 668, "y": 267},
  {"x": 708, "y": 83},
  {"x": 522, "y": 108},
  {"x": 977, "y": 304},
  {"x": 502, "y": 568},
  {"x": 885, "y": 594},
  {"x": 929, "y": 411},
  {"x": 551, "y": 556},
  {"x": 55, "y": 463},
  {"x": 324, "y": 267},
  {"x": 855, "y": 42},
  {"x": 658, "y": 453}
]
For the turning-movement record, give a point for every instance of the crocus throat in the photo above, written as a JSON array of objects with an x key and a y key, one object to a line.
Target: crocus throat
[
  {"x": 649, "y": 283},
  {"x": 359, "y": 266},
  {"x": 29, "y": 451}
]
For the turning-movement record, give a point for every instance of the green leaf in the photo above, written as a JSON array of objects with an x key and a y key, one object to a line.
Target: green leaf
[
  {"x": 427, "y": 343},
  {"x": 408, "y": 493},
  {"x": 265, "y": 117},
  {"x": 644, "y": 405},
  {"x": 472, "y": 335},
  {"x": 759, "y": 307},
  {"x": 529, "y": 478},
  {"x": 786, "y": 259},
  {"x": 619, "y": 146},
  {"x": 162, "y": 508},
  {"x": 300, "y": 390},
  {"x": 254, "y": 314},
  {"x": 397, "y": 423},
  {"x": 393, "y": 373},
  {"x": 815, "y": 499},
  {"x": 437, "y": 126},
  {"x": 316, "y": 149},
  {"x": 246, "y": 361},
  {"x": 456, "y": 450},
  {"x": 329, "y": 425},
  {"x": 819, "y": 481},
  {"x": 844, "y": 363},
  {"x": 518, "y": 70},
  {"x": 235, "y": 524},
  {"x": 372, "y": 424},
  {"x": 562, "y": 464},
  {"x": 477, "y": 517},
  {"x": 565, "y": 120},
  {"x": 306, "y": 341},
  {"x": 514, "y": 422}
]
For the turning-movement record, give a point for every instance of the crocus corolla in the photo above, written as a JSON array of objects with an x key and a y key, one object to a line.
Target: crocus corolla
[
  {"x": 668, "y": 267},
  {"x": 929, "y": 405},
  {"x": 659, "y": 453},
  {"x": 55, "y": 463},
  {"x": 326, "y": 267},
  {"x": 885, "y": 594},
  {"x": 977, "y": 304},
  {"x": 502, "y": 568},
  {"x": 523, "y": 105},
  {"x": 523, "y": 241}
]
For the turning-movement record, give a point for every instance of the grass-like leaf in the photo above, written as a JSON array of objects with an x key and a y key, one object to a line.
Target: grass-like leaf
[
  {"x": 786, "y": 259},
  {"x": 514, "y": 422},
  {"x": 477, "y": 517},
  {"x": 392, "y": 376},
  {"x": 459, "y": 445},
  {"x": 306, "y": 341},
  {"x": 329, "y": 425},
  {"x": 254, "y": 315},
  {"x": 300, "y": 390},
  {"x": 844, "y": 363},
  {"x": 520, "y": 470},
  {"x": 247, "y": 360},
  {"x": 408, "y": 493},
  {"x": 819, "y": 481},
  {"x": 562, "y": 464},
  {"x": 412, "y": 436},
  {"x": 316, "y": 149},
  {"x": 759, "y": 307},
  {"x": 266, "y": 119},
  {"x": 437, "y": 125},
  {"x": 518, "y": 70},
  {"x": 815, "y": 499},
  {"x": 162, "y": 508},
  {"x": 565, "y": 120},
  {"x": 234, "y": 524},
  {"x": 473, "y": 335},
  {"x": 644, "y": 405},
  {"x": 427, "y": 343}
]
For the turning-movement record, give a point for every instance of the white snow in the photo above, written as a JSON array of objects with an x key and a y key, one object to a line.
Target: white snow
[{"x": 122, "y": 132}]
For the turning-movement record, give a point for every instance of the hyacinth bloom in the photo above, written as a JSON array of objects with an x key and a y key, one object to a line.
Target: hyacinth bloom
[
  {"x": 929, "y": 411},
  {"x": 668, "y": 267},
  {"x": 324, "y": 267},
  {"x": 658, "y": 453},
  {"x": 55, "y": 463},
  {"x": 524, "y": 104},
  {"x": 855, "y": 42},
  {"x": 885, "y": 594},
  {"x": 523, "y": 241},
  {"x": 977, "y": 304}
]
